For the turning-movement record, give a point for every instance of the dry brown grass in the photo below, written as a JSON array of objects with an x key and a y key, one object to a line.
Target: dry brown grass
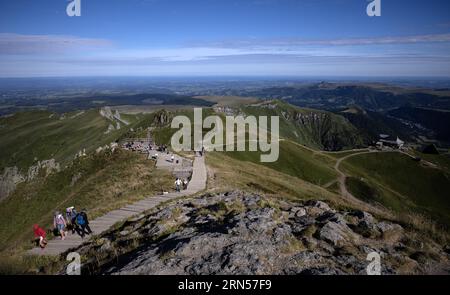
[{"x": 226, "y": 173}]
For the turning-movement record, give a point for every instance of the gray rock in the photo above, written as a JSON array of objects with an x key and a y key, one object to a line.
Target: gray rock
[
  {"x": 286, "y": 239},
  {"x": 319, "y": 204},
  {"x": 386, "y": 227},
  {"x": 364, "y": 216},
  {"x": 336, "y": 233},
  {"x": 9, "y": 180},
  {"x": 297, "y": 212}
]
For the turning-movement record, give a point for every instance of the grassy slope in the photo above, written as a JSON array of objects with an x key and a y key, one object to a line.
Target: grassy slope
[
  {"x": 400, "y": 183},
  {"x": 29, "y": 135},
  {"x": 442, "y": 161},
  {"x": 230, "y": 173},
  {"x": 339, "y": 155},
  {"x": 108, "y": 181},
  {"x": 296, "y": 161}
]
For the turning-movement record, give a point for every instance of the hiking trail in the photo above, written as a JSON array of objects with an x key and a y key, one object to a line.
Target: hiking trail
[{"x": 198, "y": 183}]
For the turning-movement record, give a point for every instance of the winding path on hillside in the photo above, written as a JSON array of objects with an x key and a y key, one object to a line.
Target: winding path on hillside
[
  {"x": 342, "y": 179},
  {"x": 103, "y": 223}
]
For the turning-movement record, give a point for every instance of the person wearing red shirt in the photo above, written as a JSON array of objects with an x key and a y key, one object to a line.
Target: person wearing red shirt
[{"x": 40, "y": 235}]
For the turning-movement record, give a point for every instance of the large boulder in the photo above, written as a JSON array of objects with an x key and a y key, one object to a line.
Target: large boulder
[{"x": 337, "y": 233}]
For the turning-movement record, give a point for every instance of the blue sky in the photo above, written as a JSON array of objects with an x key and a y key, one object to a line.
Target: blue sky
[{"x": 224, "y": 37}]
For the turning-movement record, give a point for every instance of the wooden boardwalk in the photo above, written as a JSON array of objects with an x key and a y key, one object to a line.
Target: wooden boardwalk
[{"x": 103, "y": 223}]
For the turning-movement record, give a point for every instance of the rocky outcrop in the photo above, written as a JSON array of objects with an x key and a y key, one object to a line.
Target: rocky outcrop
[
  {"x": 107, "y": 113},
  {"x": 110, "y": 129},
  {"x": 80, "y": 154},
  {"x": 107, "y": 147},
  {"x": 77, "y": 115},
  {"x": 47, "y": 166},
  {"x": 12, "y": 176},
  {"x": 9, "y": 180},
  {"x": 162, "y": 118},
  {"x": 241, "y": 233}
]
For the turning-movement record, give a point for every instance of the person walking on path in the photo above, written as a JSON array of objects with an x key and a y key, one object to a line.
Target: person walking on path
[
  {"x": 71, "y": 214},
  {"x": 178, "y": 183},
  {"x": 40, "y": 236},
  {"x": 83, "y": 222},
  {"x": 60, "y": 224},
  {"x": 185, "y": 184}
]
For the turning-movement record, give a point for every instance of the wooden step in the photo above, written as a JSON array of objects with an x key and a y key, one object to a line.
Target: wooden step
[{"x": 103, "y": 223}]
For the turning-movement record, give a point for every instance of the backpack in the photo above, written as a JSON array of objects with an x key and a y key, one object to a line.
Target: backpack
[{"x": 80, "y": 219}]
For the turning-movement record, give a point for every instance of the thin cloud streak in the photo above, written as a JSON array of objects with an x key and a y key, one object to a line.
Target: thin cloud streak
[
  {"x": 12, "y": 44},
  {"x": 291, "y": 42}
]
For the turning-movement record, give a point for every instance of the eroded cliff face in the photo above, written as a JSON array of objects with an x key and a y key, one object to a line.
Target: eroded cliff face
[
  {"x": 327, "y": 131},
  {"x": 12, "y": 176},
  {"x": 321, "y": 129},
  {"x": 162, "y": 118},
  {"x": 9, "y": 180},
  {"x": 242, "y": 233}
]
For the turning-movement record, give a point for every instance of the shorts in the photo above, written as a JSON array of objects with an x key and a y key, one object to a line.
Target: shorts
[{"x": 60, "y": 227}]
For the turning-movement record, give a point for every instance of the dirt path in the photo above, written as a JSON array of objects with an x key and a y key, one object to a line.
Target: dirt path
[{"x": 342, "y": 176}]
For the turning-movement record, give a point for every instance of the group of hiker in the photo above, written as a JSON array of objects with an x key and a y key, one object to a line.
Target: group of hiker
[
  {"x": 181, "y": 184},
  {"x": 137, "y": 146},
  {"x": 72, "y": 221}
]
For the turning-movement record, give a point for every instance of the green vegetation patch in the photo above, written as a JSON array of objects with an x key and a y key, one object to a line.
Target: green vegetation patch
[
  {"x": 27, "y": 137},
  {"x": 100, "y": 183},
  {"x": 295, "y": 161},
  {"x": 420, "y": 188}
]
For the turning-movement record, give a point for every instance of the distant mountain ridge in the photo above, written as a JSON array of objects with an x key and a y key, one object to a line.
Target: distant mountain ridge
[
  {"x": 329, "y": 96},
  {"x": 88, "y": 101},
  {"x": 435, "y": 120}
]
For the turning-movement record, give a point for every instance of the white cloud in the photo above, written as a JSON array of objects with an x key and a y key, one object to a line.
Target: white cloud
[{"x": 31, "y": 55}]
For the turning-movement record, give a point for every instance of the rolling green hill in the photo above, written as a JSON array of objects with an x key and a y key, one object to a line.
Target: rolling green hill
[
  {"x": 296, "y": 161},
  {"x": 27, "y": 137},
  {"x": 333, "y": 96},
  {"x": 229, "y": 173},
  {"x": 314, "y": 128},
  {"x": 400, "y": 183},
  {"x": 317, "y": 129}
]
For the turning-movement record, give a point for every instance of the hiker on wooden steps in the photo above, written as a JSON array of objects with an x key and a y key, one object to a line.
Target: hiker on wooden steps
[
  {"x": 83, "y": 223},
  {"x": 59, "y": 223}
]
